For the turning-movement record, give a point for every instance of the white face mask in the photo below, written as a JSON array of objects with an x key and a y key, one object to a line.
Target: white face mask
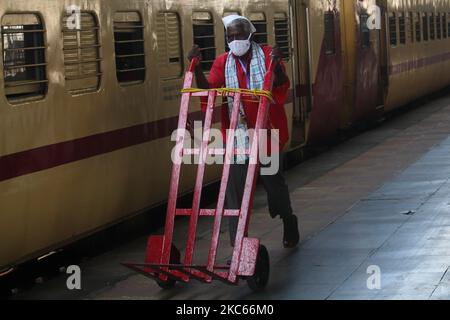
[{"x": 240, "y": 47}]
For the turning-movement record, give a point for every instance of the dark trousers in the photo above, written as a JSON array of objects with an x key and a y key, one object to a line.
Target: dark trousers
[{"x": 278, "y": 196}]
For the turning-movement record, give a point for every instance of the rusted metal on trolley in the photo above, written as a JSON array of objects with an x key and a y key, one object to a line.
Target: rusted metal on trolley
[{"x": 250, "y": 259}]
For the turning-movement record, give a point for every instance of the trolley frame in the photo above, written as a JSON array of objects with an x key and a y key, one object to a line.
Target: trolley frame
[{"x": 162, "y": 261}]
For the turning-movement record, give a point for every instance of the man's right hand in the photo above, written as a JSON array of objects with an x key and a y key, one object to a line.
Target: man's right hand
[{"x": 195, "y": 52}]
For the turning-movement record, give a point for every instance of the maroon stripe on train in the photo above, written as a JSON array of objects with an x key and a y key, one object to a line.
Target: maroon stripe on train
[
  {"x": 47, "y": 157},
  {"x": 417, "y": 64}
]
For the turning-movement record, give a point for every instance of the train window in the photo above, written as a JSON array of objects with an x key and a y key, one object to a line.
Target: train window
[
  {"x": 425, "y": 26},
  {"x": 129, "y": 47},
  {"x": 438, "y": 26},
  {"x": 393, "y": 29},
  {"x": 418, "y": 28},
  {"x": 330, "y": 40},
  {"x": 226, "y": 14},
  {"x": 169, "y": 45},
  {"x": 444, "y": 26},
  {"x": 82, "y": 54},
  {"x": 204, "y": 36},
  {"x": 260, "y": 23},
  {"x": 282, "y": 34},
  {"x": 364, "y": 30},
  {"x": 24, "y": 64},
  {"x": 410, "y": 26},
  {"x": 432, "y": 27},
  {"x": 402, "y": 28}
]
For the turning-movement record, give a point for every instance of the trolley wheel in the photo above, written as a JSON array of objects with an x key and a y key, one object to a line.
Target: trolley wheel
[
  {"x": 175, "y": 258},
  {"x": 260, "y": 279},
  {"x": 166, "y": 285}
]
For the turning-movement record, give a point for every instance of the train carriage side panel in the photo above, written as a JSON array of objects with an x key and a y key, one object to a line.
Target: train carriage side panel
[
  {"x": 418, "y": 49},
  {"x": 78, "y": 161}
]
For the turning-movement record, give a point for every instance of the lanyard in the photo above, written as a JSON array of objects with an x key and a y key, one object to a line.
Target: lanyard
[{"x": 247, "y": 74}]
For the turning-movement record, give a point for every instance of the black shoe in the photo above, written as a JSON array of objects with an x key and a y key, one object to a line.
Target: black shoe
[{"x": 291, "y": 237}]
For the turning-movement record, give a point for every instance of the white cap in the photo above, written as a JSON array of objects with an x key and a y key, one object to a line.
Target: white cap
[{"x": 229, "y": 19}]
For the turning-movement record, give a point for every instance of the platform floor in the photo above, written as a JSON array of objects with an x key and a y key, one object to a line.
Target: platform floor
[{"x": 380, "y": 199}]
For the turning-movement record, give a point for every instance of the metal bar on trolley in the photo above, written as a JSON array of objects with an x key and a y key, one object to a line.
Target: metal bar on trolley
[
  {"x": 176, "y": 170},
  {"x": 224, "y": 184},
  {"x": 263, "y": 112},
  {"x": 199, "y": 181}
]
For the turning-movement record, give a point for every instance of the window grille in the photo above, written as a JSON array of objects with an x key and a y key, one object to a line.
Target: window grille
[
  {"x": 82, "y": 54},
  {"x": 129, "y": 47},
  {"x": 24, "y": 63}
]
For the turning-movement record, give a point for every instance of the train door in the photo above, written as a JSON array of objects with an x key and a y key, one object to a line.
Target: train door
[
  {"x": 377, "y": 32},
  {"x": 301, "y": 76},
  {"x": 364, "y": 61}
]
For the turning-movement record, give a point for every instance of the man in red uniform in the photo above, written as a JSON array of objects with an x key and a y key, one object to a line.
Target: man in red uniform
[{"x": 244, "y": 67}]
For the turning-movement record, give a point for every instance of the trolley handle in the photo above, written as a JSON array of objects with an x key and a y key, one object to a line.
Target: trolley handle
[{"x": 194, "y": 63}]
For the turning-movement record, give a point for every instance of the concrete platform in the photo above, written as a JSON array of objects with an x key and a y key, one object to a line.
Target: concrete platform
[{"x": 379, "y": 200}]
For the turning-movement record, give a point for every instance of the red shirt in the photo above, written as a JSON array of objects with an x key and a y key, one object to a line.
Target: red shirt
[{"x": 277, "y": 113}]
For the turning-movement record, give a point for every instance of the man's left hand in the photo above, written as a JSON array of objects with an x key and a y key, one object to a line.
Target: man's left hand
[
  {"x": 276, "y": 54},
  {"x": 280, "y": 77}
]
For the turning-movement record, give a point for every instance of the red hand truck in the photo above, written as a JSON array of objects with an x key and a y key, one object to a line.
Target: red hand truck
[{"x": 250, "y": 259}]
